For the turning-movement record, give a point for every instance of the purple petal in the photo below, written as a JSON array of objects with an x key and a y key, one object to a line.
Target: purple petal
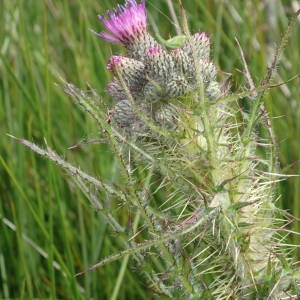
[
  {"x": 106, "y": 36},
  {"x": 125, "y": 21}
]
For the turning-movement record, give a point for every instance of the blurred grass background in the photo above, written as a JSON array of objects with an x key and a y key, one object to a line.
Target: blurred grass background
[{"x": 48, "y": 230}]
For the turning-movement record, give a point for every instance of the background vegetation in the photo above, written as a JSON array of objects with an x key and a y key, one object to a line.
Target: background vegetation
[{"x": 48, "y": 229}]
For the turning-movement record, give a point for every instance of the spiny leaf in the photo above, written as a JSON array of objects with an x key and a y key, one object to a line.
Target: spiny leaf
[{"x": 139, "y": 247}]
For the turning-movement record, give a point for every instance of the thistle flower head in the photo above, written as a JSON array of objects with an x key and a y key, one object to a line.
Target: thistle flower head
[
  {"x": 129, "y": 72},
  {"x": 159, "y": 64},
  {"x": 198, "y": 45},
  {"x": 125, "y": 22},
  {"x": 114, "y": 62},
  {"x": 149, "y": 74}
]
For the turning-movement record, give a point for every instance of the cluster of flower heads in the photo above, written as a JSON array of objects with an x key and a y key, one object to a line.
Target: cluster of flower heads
[{"x": 149, "y": 75}]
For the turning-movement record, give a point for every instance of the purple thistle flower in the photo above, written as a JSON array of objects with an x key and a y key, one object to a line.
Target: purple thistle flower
[
  {"x": 149, "y": 74},
  {"x": 125, "y": 22}
]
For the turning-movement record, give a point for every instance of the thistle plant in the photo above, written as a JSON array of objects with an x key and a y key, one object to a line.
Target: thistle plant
[{"x": 199, "y": 173}]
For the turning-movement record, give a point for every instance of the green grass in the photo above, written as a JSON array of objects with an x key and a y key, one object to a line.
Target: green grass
[{"x": 43, "y": 41}]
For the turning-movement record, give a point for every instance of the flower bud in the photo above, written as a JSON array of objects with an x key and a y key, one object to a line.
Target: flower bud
[
  {"x": 213, "y": 90},
  {"x": 123, "y": 114},
  {"x": 198, "y": 46},
  {"x": 181, "y": 61},
  {"x": 176, "y": 87},
  {"x": 128, "y": 70},
  {"x": 158, "y": 64},
  {"x": 115, "y": 90},
  {"x": 166, "y": 116}
]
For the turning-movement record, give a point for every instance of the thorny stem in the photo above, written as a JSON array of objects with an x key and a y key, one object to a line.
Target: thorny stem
[
  {"x": 278, "y": 52},
  {"x": 167, "y": 256},
  {"x": 208, "y": 129},
  {"x": 136, "y": 199},
  {"x": 167, "y": 237}
]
